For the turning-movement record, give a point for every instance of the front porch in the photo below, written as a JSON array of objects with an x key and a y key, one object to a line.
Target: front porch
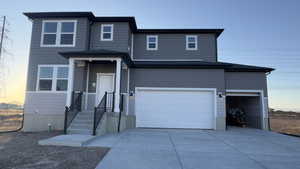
[
  {"x": 96, "y": 94},
  {"x": 93, "y": 78}
]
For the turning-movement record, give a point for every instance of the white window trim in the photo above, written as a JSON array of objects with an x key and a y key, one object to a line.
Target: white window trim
[
  {"x": 112, "y": 32},
  {"x": 58, "y": 33},
  {"x": 54, "y": 79},
  {"x": 156, "y": 42},
  {"x": 187, "y": 42}
]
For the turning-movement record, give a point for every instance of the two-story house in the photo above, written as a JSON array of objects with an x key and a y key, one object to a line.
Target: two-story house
[{"x": 89, "y": 74}]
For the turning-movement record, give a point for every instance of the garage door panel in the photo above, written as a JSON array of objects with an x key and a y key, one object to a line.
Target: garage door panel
[{"x": 175, "y": 109}]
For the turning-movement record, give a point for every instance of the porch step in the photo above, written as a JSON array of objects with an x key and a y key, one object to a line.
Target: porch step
[
  {"x": 80, "y": 131},
  {"x": 83, "y": 117},
  {"x": 82, "y": 124}
]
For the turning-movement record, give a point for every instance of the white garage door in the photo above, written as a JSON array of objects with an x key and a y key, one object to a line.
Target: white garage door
[{"x": 174, "y": 108}]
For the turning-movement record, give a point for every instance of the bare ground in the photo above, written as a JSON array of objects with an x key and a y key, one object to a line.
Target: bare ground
[
  {"x": 20, "y": 150},
  {"x": 10, "y": 120},
  {"x": 286, "y": 125}
]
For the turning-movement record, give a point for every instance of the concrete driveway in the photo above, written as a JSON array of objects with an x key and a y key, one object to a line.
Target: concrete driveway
[{"x": 195, "y": 149}]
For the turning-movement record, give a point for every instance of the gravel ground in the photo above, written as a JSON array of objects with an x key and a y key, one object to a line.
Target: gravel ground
[{"x": 20, "y": 150}]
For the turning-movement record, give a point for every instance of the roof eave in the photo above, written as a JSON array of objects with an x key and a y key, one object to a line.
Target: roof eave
[{"x": 266, "y": 70}]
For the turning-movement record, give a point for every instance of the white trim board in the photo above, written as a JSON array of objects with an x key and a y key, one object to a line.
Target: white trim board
[
  {"x": 47, "y": 92},
  {"x": 241, "y": 94},
  {"x": 92, "y": 58}
]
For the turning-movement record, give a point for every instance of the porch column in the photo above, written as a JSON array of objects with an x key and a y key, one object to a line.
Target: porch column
[
  {"x": 70, "y": 82},
  {"x": 118, "y": 82}
]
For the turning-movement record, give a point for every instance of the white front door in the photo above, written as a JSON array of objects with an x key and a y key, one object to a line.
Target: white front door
[{"x": 105, "y": 83}]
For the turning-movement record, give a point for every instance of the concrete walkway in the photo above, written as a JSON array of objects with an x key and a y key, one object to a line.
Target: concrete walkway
[{"x": 196, "y": 149}]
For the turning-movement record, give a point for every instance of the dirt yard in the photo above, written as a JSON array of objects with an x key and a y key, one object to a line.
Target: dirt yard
[
  {"x": 10, "y": 119},
  {"x": 285, "y": 125},
  {"x": 20, "y": 151}
]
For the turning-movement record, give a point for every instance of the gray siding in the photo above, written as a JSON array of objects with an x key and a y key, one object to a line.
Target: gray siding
[
  {"x": 45, "y": 103},
  {"x": 185, "y": 78},
  {"x": 124, "y": 80},
  {"x": 246, "y": 81},
  {"x": 80, "y": 78},
  {"x": 49, "y": 55},
  {"x": 120, "y": 37},
  {"x": 172, "y": 46}
]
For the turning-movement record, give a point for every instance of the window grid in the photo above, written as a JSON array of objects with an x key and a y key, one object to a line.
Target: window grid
[
  {"x": 54, "y": 78},
  {"x": 150, "y": 44},
  {"x": 107, "y": 32},
  {"x": 192, "y": 40},
  {"x": 58, "y": 33}
]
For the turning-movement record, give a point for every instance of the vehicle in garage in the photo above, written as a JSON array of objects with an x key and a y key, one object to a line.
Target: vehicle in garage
[{"x": 93, "y": 75}]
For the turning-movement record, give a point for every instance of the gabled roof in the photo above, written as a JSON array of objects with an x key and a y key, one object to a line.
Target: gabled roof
[{"x": 129, "y": 19}]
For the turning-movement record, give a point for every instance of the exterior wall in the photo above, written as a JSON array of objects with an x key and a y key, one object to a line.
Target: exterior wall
[
  {"x": 80, "y": 77},
  {"x": 42, "y": 109},
  {"x": 107, "y": 67},
  {"x": 181, "y": 78},
  {"x": 120, "y": 40},
  {"x": 172, "y": 47},
  {"x": 124, "y": 79},
  {"x": 246, "y": 81},
  {"x": 49, "y": 55},
  {"x": 221, "y": 113},
  {"x": 91, "y": 99}
]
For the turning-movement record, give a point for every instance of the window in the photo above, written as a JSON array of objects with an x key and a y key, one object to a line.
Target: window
[
  {"x": 152, "y": 42},
  {"x": 58, "y": 34},
  {"x": 191, "y": 42},
  {"x": 52, "y": 78},
  {"x": 62, "y": 79},
  {"x": 107, "y": 32}
]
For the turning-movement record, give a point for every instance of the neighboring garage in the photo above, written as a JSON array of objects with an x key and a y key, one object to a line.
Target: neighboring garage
[
  {"x": 175, "y": 108},
  {"x": 244, "y": 109}
]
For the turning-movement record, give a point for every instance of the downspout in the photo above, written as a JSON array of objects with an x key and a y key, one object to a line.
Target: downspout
[
  {"x": 89, "y": 36},
  {"x": 268, "y": 118},
  {"x": 216, "y": 47}
]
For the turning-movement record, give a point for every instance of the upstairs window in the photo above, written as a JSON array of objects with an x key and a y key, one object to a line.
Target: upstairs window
[
  {"x": 107, "y": 32},
  {"x": 152, "y": 42},
  {"x": 191, "y": 42},
  {"x": 58, "y": 34},
  {"x": 52, "y": 78}
]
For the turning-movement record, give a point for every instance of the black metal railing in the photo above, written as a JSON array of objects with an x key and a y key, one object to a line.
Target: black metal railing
[
  {"x": 121, "y": 106},
  {"x": 106, "y": 105},
  {"x": 72, "y": 111}
]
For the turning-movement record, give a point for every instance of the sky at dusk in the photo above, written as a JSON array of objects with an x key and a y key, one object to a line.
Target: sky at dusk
[{"x": 257, "y": 32}]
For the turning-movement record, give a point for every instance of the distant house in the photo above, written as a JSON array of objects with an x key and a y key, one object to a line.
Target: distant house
[{"x": 156, "y": 78}]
